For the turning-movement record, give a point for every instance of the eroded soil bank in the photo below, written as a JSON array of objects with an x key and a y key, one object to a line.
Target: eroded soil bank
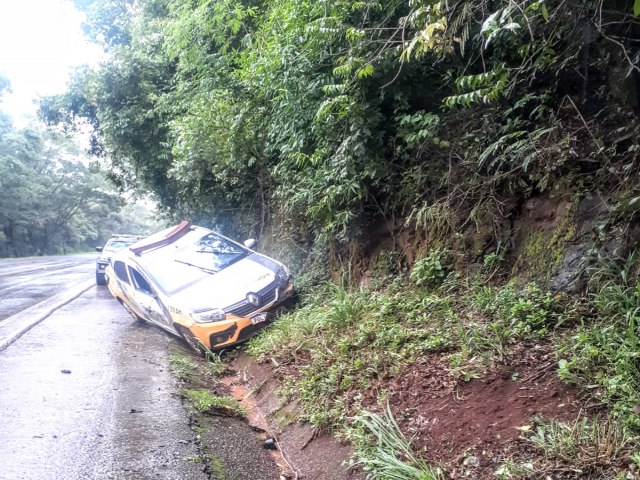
[
  {"x": 469, "y": 428},
  {"x": 305, "y": 452},
  {"x": 268, "y": 442}
]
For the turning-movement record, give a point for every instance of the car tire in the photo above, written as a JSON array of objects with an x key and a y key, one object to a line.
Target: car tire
[
  {"x": 190, "y": 339},
  {"x": 101, "y": 279}
]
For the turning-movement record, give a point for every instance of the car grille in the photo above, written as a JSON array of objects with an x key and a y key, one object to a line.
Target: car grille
[{"x": 244, "y": 309}]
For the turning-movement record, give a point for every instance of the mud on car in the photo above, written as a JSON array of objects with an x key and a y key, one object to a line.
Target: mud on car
[{"x": 199, "y": 285}]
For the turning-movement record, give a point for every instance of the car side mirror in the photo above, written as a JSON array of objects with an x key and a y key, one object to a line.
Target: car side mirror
[
  {"x": 98, "y": 249},
  {"x": 250, "y": 242}
]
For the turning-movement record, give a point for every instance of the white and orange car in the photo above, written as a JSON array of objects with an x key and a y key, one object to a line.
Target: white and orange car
[{"x": 199, "y": 285}]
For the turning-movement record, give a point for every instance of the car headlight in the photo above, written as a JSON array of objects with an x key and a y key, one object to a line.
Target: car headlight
[
  {"x": 215, "y": 315},
  {"x": 283, "y": 274}
]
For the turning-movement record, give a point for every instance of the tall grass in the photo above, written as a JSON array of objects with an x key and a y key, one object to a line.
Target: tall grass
[
  {"x": 603, "y": 353},
  {"x": 382, "y": 450}
]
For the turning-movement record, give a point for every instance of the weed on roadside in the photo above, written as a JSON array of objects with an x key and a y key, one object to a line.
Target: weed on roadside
[
  {"x": 346, "y": 339},
  {"x": 194, "y": 370},
  {"x": 183, "y": 366},
  {"x": 383, "y": 451},
  {"x": 603, "y": 352},
  {"x": 340, "y": 342},
  {"x": 205, "y": 401},
  {"x": 592, "y": 448}
]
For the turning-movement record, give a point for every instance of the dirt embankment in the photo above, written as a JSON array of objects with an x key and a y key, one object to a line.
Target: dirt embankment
[
  {"x": 468, "y": 427},
  {"x": 303, "y": 452}
]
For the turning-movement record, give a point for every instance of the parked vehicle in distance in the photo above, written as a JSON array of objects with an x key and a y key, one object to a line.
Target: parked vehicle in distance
[
  {"x": 199, "y": 285},
  {"x": 113, "y": 245}
]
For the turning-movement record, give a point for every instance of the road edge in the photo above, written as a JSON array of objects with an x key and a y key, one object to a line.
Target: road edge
[{"x": 12, "y": 328}]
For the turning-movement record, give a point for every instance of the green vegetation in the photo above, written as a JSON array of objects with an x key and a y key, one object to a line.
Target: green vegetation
[
  {"x": 198, "y": 377},
  {"x": 183, "y": 367},
  {"x": 344, "y": 343},
  {"x": 343, "y": 339},
  {"x": 320, "y": 119},
  {"x": 391, "y": 457},
  {"x": 589, "y": 446},
  {"x": 603, "y": 353},
  {"x": 217, "y": 469},
  {"x": 53, "y": 198},
  {"x": 205, "y": 401}
]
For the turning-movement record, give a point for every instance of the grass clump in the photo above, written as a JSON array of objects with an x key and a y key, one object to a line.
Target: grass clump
[
  {"x": 195, "y": 370},
  {"x": 217, "y": 469},
  {"x": 499, "y": 317},
  {"x": 204, "y": 401},
  {"x": 383, "y": 451},
  {"x": 603, "y": 352},
  {"x": 182, "y": 366},
  {"x": 589, "y": 446}
]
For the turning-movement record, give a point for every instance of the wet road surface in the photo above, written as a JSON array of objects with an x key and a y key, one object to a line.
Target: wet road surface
[
  {"x": 87, "y": 394},
  {"x": 27, "y": 281}
]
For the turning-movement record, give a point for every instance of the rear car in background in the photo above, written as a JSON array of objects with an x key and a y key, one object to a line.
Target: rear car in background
[
  {"x": 113, "y": 245},
  {"x": 200, "y": 285}
]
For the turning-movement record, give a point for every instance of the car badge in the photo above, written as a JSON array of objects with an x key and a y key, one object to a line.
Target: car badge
[{"x": 253, "y": 299}]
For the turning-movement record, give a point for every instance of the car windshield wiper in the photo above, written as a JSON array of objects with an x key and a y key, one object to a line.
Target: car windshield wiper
[
  {"x": 204, "y": 269},
  {"x": 219, "y": 252}
]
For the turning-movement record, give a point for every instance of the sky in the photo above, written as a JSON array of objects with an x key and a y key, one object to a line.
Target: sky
[{"x": 41, "y": 41}]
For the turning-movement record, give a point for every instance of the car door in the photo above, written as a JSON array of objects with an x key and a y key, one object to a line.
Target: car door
[
  {"x": 122, "y": 287},
  {"x": 146, "y": 300}
]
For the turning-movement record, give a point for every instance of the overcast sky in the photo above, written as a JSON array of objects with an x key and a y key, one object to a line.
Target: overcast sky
[{"x": 40, "y": 43}]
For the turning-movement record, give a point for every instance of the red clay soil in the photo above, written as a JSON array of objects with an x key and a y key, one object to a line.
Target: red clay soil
[
  {"x": 305, "y": 454},
  {"x": 452, "y": 420},
  {"x": 468, "y": 428}
]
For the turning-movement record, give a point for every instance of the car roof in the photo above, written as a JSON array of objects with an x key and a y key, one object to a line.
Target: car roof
[{"x": 158, "y": 245}]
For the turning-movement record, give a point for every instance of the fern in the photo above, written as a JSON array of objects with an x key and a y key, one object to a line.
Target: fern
[{"x": 485, "y": 88}]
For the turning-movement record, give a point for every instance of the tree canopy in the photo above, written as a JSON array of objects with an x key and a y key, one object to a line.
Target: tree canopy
[
  {"x": 323, "y": 117},
  {"x": 52, "y": 200}
]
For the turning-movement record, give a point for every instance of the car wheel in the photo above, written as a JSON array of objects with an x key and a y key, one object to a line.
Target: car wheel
[
  {"x": 100, "y": 279},
  {"x": 194, "y": 344}
]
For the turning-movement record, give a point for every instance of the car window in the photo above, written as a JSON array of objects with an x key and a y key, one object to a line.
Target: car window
[
  {"x": 120, "y": 270},
  {"x": 210, "y": 254},
  {"x": 139, "y": 281},
  {"x": 173, "y": 276},
  {"x": 117, "y": 245}
]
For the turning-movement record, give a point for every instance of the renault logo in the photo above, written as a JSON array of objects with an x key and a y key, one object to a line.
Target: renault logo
[{"x": 253, "y": 299}]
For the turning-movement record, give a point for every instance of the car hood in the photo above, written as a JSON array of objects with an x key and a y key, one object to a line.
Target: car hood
[{"x": 230, "y": 285}]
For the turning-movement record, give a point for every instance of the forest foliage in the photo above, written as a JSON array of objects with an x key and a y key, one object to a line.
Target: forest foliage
[
  {"x": 325, "y": 117},
  {"x": 52, "y": 198}
]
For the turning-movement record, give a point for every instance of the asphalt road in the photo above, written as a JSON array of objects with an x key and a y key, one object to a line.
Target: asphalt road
[
  {"x": 87, "y": 393},
  {"x": 25, "y": 282}
]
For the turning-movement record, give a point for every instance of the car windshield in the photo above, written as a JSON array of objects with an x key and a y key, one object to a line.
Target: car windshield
[
  {"x": 208, "y": 255},
  {"x": 117, "y": 245}
]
